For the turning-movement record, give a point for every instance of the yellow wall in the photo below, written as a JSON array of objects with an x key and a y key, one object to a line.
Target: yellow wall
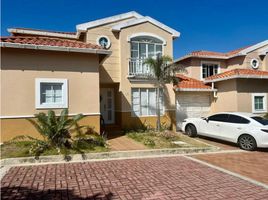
[
  {"x": 14, "y": 127},
  {"x": 128, "y": 121}
]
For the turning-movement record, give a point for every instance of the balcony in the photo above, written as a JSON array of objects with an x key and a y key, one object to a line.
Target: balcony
[{"x": 137, "y": 69}]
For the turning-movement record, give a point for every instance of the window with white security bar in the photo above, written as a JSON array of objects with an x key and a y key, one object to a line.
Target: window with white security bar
[
  {"x": 144, "y": 101},
  {"x": 209, "y": 69},
  {"x": 143, "y": 47}
]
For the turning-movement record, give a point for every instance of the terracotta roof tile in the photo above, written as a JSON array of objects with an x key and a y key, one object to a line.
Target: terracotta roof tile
[
  {"x": 190, "y": 83},
  {"x": 203, "y": 53},
  {"x": 40, "y": 30},
  {"x": 49, "y": 41},
  {"x": 238, "y": 72}
]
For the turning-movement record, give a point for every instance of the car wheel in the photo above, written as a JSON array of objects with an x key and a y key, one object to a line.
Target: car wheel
[
  {"x": 191, "y": 130},
  {"x": 247, "y": 142}
]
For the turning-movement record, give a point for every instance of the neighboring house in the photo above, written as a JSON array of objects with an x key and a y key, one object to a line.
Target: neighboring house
[
  {"x": 215, "y": 82},
  {"x": 96, "y": 70}
]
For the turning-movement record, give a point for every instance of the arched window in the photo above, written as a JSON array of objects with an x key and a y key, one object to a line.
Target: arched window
[{"x": 143, "y": 47}]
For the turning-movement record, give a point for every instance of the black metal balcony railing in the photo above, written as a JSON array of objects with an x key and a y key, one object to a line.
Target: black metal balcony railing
[{"x": 137, "y": 68}]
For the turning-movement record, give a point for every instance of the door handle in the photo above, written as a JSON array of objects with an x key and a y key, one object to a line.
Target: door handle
[
  {"x": 217, "y": 125},
  {"x": 239, "y": 128}
]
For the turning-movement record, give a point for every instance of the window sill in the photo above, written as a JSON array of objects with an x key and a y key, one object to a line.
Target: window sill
[
  {"x": 51, "y": 106},
  {"x": 259, "y": 111}
]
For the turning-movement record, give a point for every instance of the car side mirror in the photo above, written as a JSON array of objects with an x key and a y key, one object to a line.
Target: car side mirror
[{"x": 206, "y": 119}]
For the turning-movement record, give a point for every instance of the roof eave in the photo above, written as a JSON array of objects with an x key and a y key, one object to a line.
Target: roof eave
[
  {"x": 118, "y": 27},
  {"x": 194, "y": 90},
  {"x": 84, "y": 26},
  {"x": 43, "y": 33},
  {"x": 237, "y": 76},
  {"x": 54, "y": 48}
]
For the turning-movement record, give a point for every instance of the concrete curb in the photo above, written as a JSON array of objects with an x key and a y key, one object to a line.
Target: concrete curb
[{"x": 104, "y": 155}]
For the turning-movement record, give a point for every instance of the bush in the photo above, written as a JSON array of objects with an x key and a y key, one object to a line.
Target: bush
[
  {"x": 61, "y": 133},
  {"x": 149, "y": 142},
  {"x": 266, "y": 116},
  {"x": 167, "y": 134}
]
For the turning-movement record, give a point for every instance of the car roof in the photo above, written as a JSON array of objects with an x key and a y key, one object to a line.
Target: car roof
[{"x": 242, "y": 114}]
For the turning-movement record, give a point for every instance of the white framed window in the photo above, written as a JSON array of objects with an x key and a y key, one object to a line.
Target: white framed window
[
  {"x": 104, "y": 41},
  {"x": 51, "y": 93},
  {"x": 254, "y": 63},
  {"x": 144, "y": 101},
  {"x": 259, "y": 102},
  {"x": 209, "y": 68}
]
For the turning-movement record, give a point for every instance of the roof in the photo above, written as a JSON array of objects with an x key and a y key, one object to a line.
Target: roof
[
  {"x": 191, "y": 84},
  {"x": 133, "y": 22},
  {"x": 227, "y": 55},
  {"x": 49, "y": 43},
  {"x": 29, "y": 31},
  {"x": 237, "y": 73},
  {"x": 107, "y": 20},
  {"x": 137, "y": 19}
]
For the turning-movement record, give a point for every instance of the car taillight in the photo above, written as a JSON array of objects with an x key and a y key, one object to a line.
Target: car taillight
[{"x": 265, "y": 130}]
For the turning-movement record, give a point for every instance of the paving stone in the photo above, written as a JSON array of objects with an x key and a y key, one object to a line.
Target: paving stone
[{"x": 150, "y": 178}]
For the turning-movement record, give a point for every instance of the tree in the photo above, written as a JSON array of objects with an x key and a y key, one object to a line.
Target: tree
[{"x": 163, "y": 72}]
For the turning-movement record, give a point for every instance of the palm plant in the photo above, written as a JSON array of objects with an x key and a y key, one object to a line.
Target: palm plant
[
  {"x": 164, "y": 73},
  {"x": 56, "y": 132}
]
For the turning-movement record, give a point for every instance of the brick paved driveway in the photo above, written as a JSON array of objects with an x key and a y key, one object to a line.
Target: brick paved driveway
[
  {"x": 250, "y": 164},
  {"x": 150, "y": 178}
]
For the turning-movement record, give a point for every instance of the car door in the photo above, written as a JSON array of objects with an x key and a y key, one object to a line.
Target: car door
[
  {"x": 233, "y": 127},
  {"x": 212, "y": 125}
]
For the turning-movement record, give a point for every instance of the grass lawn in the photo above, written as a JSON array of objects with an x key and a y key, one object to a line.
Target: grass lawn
[
  {"x": 166, "y": 139},
  {"x": 21, "y": 149}
]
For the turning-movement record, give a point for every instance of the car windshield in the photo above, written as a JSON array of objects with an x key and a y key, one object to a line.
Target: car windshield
[{"x": 260, "y": 120}]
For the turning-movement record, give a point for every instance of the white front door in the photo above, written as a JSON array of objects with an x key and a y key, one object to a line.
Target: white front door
[{"x": 107, "y": 105}]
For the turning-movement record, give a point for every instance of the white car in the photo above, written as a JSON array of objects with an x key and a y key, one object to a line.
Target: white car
[{"x": 249, "y": 131}]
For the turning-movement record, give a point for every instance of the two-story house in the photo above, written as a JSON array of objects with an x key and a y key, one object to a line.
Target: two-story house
[
  {"x": 215, "y": 82},
  {"x": 97, "y": 70}
]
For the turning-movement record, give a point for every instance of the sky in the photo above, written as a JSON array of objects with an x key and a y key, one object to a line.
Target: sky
[{"x": 215, "y": 25}]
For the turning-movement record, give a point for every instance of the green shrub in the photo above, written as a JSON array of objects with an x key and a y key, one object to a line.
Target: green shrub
[
  {"x": 149, "y": 142},
  {"x": 61, "y": 133}
]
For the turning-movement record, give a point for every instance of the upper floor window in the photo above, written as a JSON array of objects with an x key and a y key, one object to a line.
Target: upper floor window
[
  {"x": 143, "y": 47},
  {"x": 209, "y": 69}
]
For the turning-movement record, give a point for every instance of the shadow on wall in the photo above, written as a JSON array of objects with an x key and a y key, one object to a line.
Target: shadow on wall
[
  {"x": 14, "y": 59},
  {"x": 33, "y": 194}
]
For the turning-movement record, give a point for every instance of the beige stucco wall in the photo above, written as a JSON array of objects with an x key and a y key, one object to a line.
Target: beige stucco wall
[
  {"x": 20, "y": 68},
  {"x": 245, "y": 89},
  {"x": 193, "y": 65},
  {"x": 110, "y": 67},
  {"x": 126, "y": 84},
  {"x": 227, "y": 97},
  {"x": 236, "y": 94}
]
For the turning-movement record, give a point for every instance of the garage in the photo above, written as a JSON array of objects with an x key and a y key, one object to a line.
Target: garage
[{"x": 191, "y": 105}]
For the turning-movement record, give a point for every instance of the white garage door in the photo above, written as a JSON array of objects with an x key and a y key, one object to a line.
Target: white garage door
[{"x": 191, "y": 105}]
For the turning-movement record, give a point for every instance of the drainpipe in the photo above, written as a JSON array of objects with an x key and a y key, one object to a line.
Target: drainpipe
[{"x": 215, "y": 95}]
